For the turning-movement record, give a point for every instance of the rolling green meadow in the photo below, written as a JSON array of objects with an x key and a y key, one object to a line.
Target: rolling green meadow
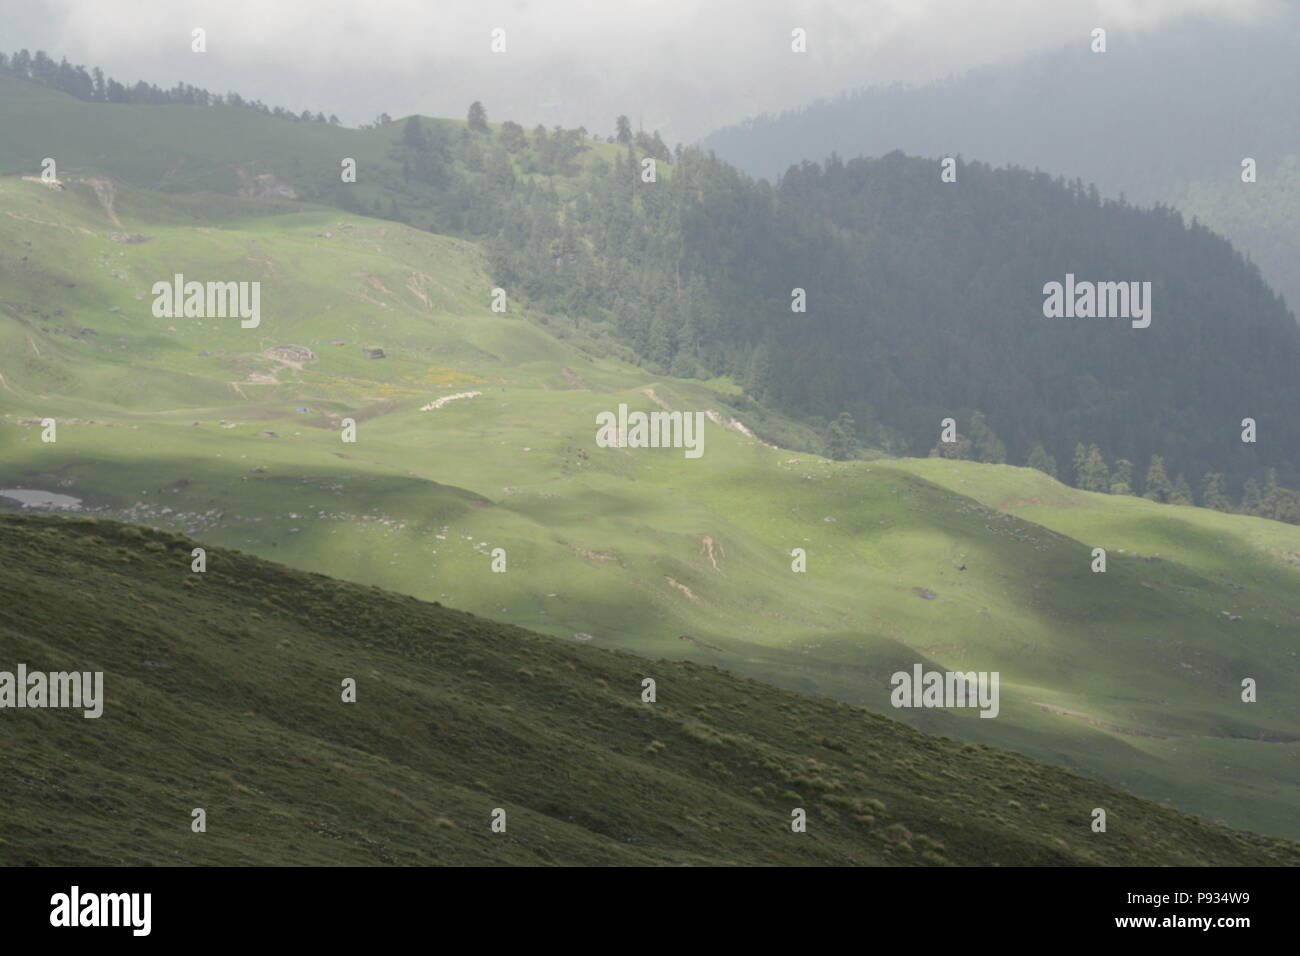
[{"x": 474, "y": 432}]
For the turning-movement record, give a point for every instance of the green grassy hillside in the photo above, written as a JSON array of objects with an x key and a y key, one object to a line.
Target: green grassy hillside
[
  {"x": 222, "y": 692},
  {"x": 224, "y": 150},
  {"x": 194, "y": 425}
]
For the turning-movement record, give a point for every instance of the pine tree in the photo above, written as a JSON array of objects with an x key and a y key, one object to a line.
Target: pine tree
[
  {"x": 1252, "y": 499},
  {"x": 1285, "y": 505},
  {"x": 623, "y": 127},
  {"x": 478, "y": 118},
  {"x": 758, "y": 378},
  {"x": 1096, "y": 476},
  {"x": 1040, "y": 459},
  {"x": 842, "y": 438},
  {"x": 985, "y": 445},
  {"x": 513, "y": 137},
  {"x": 1272, "y": 495},
  {"x": 1182, "y": 493},
  {"x": 1121, "y": 479},
  {"x": 1213, "y": 493},
  {"x": 1158, "y": 487},
  {"x": 413, "y": 135},
  {"x": 662, "y": 344},
  {"x": 962, "y": 448},
  {"x": 1080, "y": 464}
]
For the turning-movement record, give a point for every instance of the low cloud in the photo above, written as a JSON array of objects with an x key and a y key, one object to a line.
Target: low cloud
[{"x": 682, "y": 67}]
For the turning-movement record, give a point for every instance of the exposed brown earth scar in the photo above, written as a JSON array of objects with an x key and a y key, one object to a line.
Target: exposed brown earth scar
[
  {"x": 681, "y": 587},
  {"x": 106, "y": 194},
  {"x": 706, "y": 544},
  {"x": 655, "y": 398},
  {"x": 43, "y": 222},
  {"x": 572, "y": 379}
]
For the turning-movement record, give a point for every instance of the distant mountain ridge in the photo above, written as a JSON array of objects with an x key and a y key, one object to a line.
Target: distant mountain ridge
[{"x": 1162, "y": 116}]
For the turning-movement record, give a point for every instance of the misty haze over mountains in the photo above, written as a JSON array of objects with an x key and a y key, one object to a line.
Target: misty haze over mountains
[
  {"x": 680, "y": 66},
  {"x": 1163, "y": 116}
]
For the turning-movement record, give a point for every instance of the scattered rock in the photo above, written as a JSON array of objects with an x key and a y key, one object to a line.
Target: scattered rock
[
  {"x": 291, "y": 353},
  {"x": 262, "y": 185},
  {"x": 439, "y": 402}
]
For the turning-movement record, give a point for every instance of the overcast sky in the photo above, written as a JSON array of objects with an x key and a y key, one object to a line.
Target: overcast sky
[{"x": 685, "y": 67}]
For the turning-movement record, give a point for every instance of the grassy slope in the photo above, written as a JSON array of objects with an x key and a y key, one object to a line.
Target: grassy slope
[
  {"x": 594, "y": 536},
  {"x": 222, "y": 692},
  {"x": 183, "y": 149}
]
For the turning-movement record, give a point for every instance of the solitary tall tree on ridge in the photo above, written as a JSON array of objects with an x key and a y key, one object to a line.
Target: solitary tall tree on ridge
[{"x": 478, "y": 118}]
